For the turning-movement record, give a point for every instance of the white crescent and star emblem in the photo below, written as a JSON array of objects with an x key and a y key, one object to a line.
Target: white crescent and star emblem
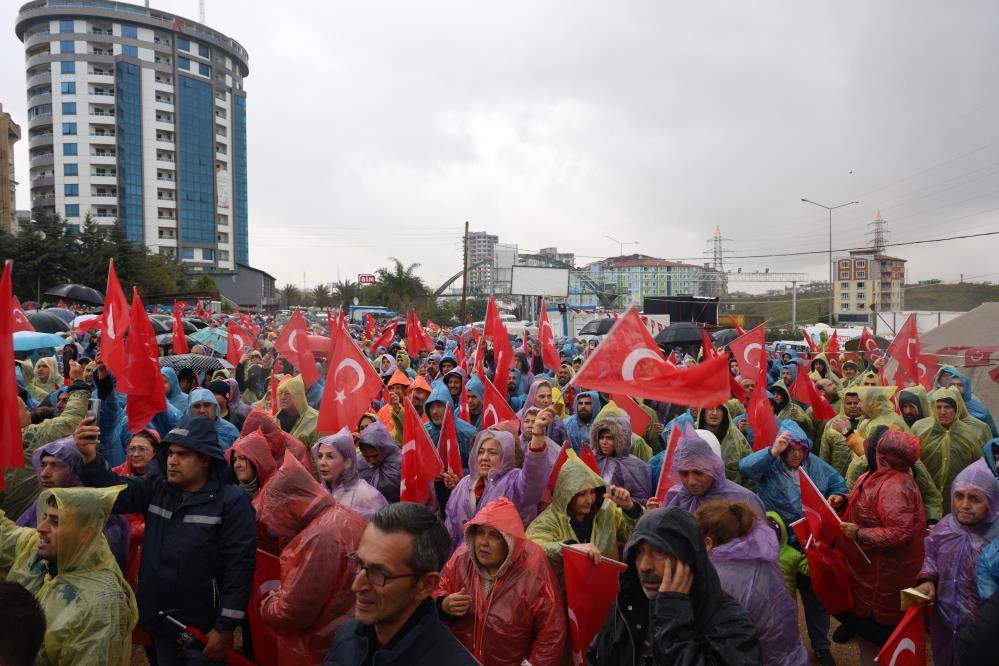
[
  {"x": 904, "y": 645},
  {"x": 19, "y": 316},
  {"x": 291, "y": 341},
  {"x": 632, "y": 360},
  {"x": 109, "y": 321},
  {"x": 238, "y": 342},
  {"x": 491, "y": 409},
  {"x": 754, "y": 362},
  {"x": 356, "y": 367}
]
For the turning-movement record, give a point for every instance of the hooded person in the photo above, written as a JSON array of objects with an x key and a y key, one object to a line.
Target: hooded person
[
  {"x": 949, "y": 442},
  {"x": 278, "y": 441},
  {"x": 45, "y": 379},
  {"x": 785, "y": 408},
  {"x": 57, "y": 465},
  {"x": 540, "y": 395},
  {"x": 884, "y": 515},
  {"x": 418, "y": 392},
  {"x": 976, "y": 408},
  {"x": 499, "y": 595},
  {"x": 174, "y": 395},
  {"x": 393, "y": 412},
  {"x": 612, "y": 446},
  {"x": 386, "y": 366},
  {"x": 744, "y": 551},
  {"x": 584, "y": 408},
  {"x": 336, "y": 462},
  {"x": 314, "y": 597},
  {"x": 220, "y": 389},
  {"x": 380, "y": 463},
  {"x": 698, "y": 475},
  {"x": 236, "y": 404},
  {"x": 202, "y": 403},
  {"x": 913, "y": 404},
  {"x": 493, "y": 474},
  {"x": 734, "y": 445},
  {"x": 295, "y": 416},
  {"x": 475, "y": 390},
  {"x": 66, "y": 564},
  {"x": 818, "y": 368},
  {"x": 639, "y": 447},
  {"x": 435, "y": 408},
  {"x": 584, "y": 511},
  {"x": 454, "y": 381},
  {"x": 671, "y": 608},
  {"x": 252, "y": 464},
  {"x": 954, "y": 550},
  {"x": 792, "y": 561}
]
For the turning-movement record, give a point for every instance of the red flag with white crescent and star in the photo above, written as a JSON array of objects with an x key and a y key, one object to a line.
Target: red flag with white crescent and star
[
  {"x": 750, "y": 351},
  {"x": 803, "y": 390},
  {"x": 146, "y": 398},
  {"x": 18, "y": 318},
  {"x": 590, "y": 590},
  {"x": 351, "y": 384},
  {"x": 867, "y": 344},
  {"x": 495, "y": 408},
  {"x": 420, "y": 462},
  {"x": 447, "y": 445},
  {"x": 293, "y": 344},
  {"x": 907, "y": 644},
  {"x": 385, "y": 337},
  {"x": 904, "y": 349},
  {"x": 665, "y": 482},
  {"x": 761, "y": 414},
  {"x": 503, "y": 354},
  {"x": 240, "y": 341},
  {"x": 548, "y": 351},
  {"x": 179, "y": 337},
  {"x": 116, "y": 321},
  {"x": 11, "y": 452}
]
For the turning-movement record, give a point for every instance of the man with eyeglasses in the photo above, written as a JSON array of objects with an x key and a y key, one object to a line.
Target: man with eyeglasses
[{"x": 396, "y": 569}]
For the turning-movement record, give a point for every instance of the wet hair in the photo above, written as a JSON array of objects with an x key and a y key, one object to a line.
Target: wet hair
[
  {"x": 24, "y": 625},
  {"x": 431, "y": 542},
  {"x": 724, "y": 521}
]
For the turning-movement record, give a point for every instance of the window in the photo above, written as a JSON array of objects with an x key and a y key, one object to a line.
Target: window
[
  {"x": 130, "y": 31},
  {"x": 130, "y": 50},
  {"x": 69, "y": 149},
  {"x": 203, "y": 51},
  {"x": 184, "y": 44},
  {"x": 66, "y": 46},
  {"x": 72, "y": 210},
  {"x": 67, "y": 67},
  {"x": 844, "y": 263},
  {"x": 861, "y": 263},
  {"x": 860, "y": 285},
  {"x": 69, "y": 108},
  {"x": 845, "y": 307},
  {"x": 187, "y": 253},
  {"x": 66, "y": 26},
  {"x": 71, "y": 190},
  {"x": 844, "y": 275},
  {"x": 71, "y": 169},
  {"x": 184, "y": 63},
  {"x": 844, "y": 285},
  {"x": 208, "y": 254},
  {"x": 68, "y": 128},
  {"x": 204, "y": 70},
  {"x": 68, "y": 87},
  {"x": 861, "y": 274}
]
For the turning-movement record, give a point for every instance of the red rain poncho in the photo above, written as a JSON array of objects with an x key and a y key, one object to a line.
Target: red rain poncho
[
  {"x": 277, "y": 439},
  {"x": 516, "y": 615}
]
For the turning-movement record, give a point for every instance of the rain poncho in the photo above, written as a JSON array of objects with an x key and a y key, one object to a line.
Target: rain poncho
[
  {"x": 620, "y": 468},
  {"x": 477, "y": 388},
  {"x": 639, "y": 447},
  {"x": 227, "y": 432},
  {"x": 952, "y": 553},
  {"x": 792, "y": 561},
  {"x": 40, "y": 390},
  {"x": 254, "y": 446},
  {"x": 555, "y": 430},
  {"x": 463, "y": 429},
  {"x": 384, "y": 476},
  {"x": 747, "y": 569},
  {"x": 236, "y": 404},
  {"x": 89, "y": 608},
  {"x": 523, "y": 487},
  {"x": 553, "y": 527},
  {"x": 349, "y": 490},
  {"x": 693, "y": 453},
  {"x": 946, "y": 451},
  {"x": 518, "y": 613},
  {"x": 704, "y": 627},
  {"x": 315, "y": 596},
  {"x": 804, "y": 417},
  {"x": 734, "y": 445},
  {"x": 877, "y": 408},
  {"x": 304, "y": 426},
  {"x": 394, "y": 421},
  {"x": 887, "y": 507},
  {"x": 976, "y": 407},
  {"x": 175, "y": 397},
  {"x": 578, "y": 429},
  {"x": 777, "y": 486},
  {"x": 277, "y": 440}
]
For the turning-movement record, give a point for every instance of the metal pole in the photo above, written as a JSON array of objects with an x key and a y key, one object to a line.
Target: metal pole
[
  {"x": 464, "y": 279},
  {"x": 794, "y": 305},
  {"x": 830, "y": 271}
]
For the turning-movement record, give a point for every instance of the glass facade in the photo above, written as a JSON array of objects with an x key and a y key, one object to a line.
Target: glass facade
[
  {"x": 239, "y": 197},
  {"x": 130, "y": 50},
  {"x": 130, "y": 31},
  {"x": 196, "y": 161},
  {"x": 69, "y": 108},
  {"x": 67, "y": 67},
  {"x": 128, "y": 117}
]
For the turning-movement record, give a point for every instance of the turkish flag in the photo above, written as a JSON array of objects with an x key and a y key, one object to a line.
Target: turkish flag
[
  {"x": 11, "y": 451},
  {"x": 447, "y": 446},
  {"x": 459, "y": 355},
  {"x": 240, "y": 340},
  {"x": 351, "y": 384},
  {"x": 750, "y": 351},
  {"x": 589, "y": 458},
  {"x": 369, "y": 326},
  {"x": 146, "y": 398},
  {"x": 434, "y": 327},
  {"x": 812, "y": 347},
  {"x": 503, "y": 355},
  {"x": 386, "y": 336},
  {"x": 116, "y": 320},
  {"x": 761, "y": 414},
  {"x": 420, "y": 462},
  {"x": 548, "y": 350},
  {"x": 590, "y": 590},
  {"x": 867, "y": 344},
  {"x": 907, "y": 644},
  {"x": 639, "y": 419},
  {"x": 526, "y": 347},
  {"x": 199, "y": 311},
  {"x": 978, "y": 357},
  {"x": 665, "y": 483},
  {"x": 495, "y": 408},
  {"x": 803, "y": 390},
  {"x": 463, "y": 413},
  {"x": 928, "y": 366},
  {"x": 293, "y": 344},
  {"x": 827, "y": 569},
  {"x": 417, "y": 339},
  {"x": 832, "y": 345},
  {"x": 628, "y": 361},
  {"x": 823, "y": 523},
  {"x": 563, "y": 455},
  {"x": 179, "y": 338},
  {"x": 708, "y": 350},
  {"x": 246, "y": 321},
  {"x": 904, "y": 349},
  {"x": 20, "y": 320}
]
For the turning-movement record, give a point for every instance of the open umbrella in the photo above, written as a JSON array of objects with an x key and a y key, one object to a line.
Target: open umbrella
[
  {"x": 598, "y": 326},
  {"x": 680, "y": 333},
  {"x": 854, "y": 344},
  {"x": 161, "y": 323},
  {"x": 29, "y": 340},
  {"x": 46, "y": 322},
  {"x": 195, "y": 322},
  {"x": 214, "y": 338},
  {"x": 76, "y": 292},
  {"x": 65, "y": 314},
  {"x": 196, "y": 362},
  {"x": 724, "y": 336},
  {"x": 166, "y": 340}
]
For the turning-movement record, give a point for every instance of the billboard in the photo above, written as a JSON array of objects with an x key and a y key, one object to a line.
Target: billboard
[
  {"x": 534, "y": 281},
  {"x": 366, "y": 278}
]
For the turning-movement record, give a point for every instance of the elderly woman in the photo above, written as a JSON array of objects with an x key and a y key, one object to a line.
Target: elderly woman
[
  {"x": 618, "y": 467},
  {"x": 336, "y": 461}
]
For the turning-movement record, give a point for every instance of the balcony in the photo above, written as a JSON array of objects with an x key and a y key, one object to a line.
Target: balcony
[
  {"x": 106, "y": 135},
  {"x": 46, "y": 180},
  {"x": 40, "y": 76},
  {"x": 41, "y": 37},
  {"x": 44, "y": 158},
  {"x": 104, "y": 195},
  {"x": 39, "y": 93},
  {"x": 37, "y": 59},
  {"x": 43, "y": 200}
]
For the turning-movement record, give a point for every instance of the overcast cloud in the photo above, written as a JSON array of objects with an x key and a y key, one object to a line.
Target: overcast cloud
[{"x": 377, "y": 128}]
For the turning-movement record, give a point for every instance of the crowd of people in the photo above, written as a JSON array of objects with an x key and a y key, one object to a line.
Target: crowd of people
[{"x": 230, "y": 514}]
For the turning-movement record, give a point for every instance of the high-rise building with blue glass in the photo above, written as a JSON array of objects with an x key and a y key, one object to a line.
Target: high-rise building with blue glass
[{"x": 139, "y": 116}]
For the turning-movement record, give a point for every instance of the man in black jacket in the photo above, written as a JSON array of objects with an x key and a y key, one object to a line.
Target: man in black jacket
[
  {"x": 199, "y": 546},
  {"x": 671, "y": 608}
]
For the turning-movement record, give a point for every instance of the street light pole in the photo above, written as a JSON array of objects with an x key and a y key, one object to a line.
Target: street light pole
[
  {"x": 621, "y": 244},
  {"x": 830, "y": 209}
]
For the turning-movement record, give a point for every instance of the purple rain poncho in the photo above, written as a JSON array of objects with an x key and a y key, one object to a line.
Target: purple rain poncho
[
  {"x": 384, "y": 477},
  {"x": 350, "y": 489},
  {"x": 620, "y": 468},
  {"x": 556, "y": 429}
]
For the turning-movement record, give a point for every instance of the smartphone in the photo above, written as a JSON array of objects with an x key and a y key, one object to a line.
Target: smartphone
[{"x": 94, "y": 407}]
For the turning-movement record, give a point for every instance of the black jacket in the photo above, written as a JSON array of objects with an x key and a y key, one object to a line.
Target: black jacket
[
  {"x": 422, "y": 641},
  {"x": 706, "y": 627},
  {"x": 979, "y": 642}
]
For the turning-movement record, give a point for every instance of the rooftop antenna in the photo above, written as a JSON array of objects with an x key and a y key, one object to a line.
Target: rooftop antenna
[{"x": 201, "y": 12}]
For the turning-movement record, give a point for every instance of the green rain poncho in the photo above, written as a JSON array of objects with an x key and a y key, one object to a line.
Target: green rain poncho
[
  {"x": 611, "y": 527},
  {"x": 89, "y": 608},
  {"x": 877, "y": 408},
  {"x": 308, "y": 418},
  {"x": 802, "y": 417},
  {"x": 734, "y": 445},
  {"x": 947, "y": 451}
]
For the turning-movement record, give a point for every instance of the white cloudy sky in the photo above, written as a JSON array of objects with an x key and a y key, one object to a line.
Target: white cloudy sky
[{"x": 377, "y": 128}]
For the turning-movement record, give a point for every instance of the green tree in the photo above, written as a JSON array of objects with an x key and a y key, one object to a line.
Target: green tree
[
  {"x": 205, "y": 285},
  {"x": 290, "y": 295},
  {"x": 321, "y": 296},
  {"x": 399, "y": 288},
  {"x": 345, "y": 292}
]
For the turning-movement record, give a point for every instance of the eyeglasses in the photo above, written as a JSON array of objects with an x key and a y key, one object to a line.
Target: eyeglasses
[{"x": 375, "y": 575}]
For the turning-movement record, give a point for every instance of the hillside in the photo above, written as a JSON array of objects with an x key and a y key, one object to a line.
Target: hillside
[{"x": 812, "y": 306}]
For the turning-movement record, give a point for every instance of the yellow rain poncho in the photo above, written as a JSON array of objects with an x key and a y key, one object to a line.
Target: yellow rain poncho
[
  {"x": 308, "y": 418},
  {"x": 89, "y": 608}
]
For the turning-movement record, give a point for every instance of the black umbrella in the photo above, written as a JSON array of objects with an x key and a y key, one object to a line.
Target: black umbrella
[
  {"x": 854, "y": 344},
  {"x": 161, "y": 323},
  {"x": 724, "y": 336},
  {"x": 46, "y": 322},
  {"x": 196, "y": 362},
  {"x": 598, "y": 326},
  {"x": 65, "y": 314},
  {"x": 76, "y": 292},
  {"x": 197, "y": 323},
  {"x": 166, "y": 340},
  {"x": 680, "y": 333},
  {"x": 189, "y": 326}
]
